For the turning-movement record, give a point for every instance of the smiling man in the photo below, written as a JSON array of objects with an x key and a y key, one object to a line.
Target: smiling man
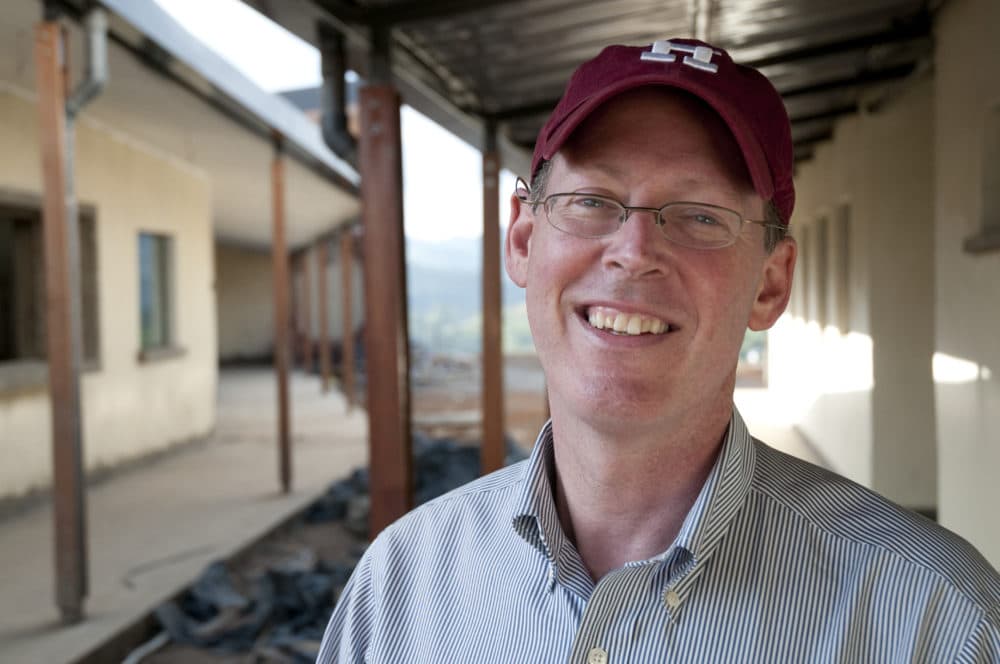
[{"x": 648, "y": 526}]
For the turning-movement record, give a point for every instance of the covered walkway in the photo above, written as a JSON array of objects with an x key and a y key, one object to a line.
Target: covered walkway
[{"x": 153, "y": 528}]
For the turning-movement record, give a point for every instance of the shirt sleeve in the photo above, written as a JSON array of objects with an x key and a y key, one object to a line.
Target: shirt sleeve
[
  {"x": 347, "y": 634},
  {"x": 983, "y": 645}
]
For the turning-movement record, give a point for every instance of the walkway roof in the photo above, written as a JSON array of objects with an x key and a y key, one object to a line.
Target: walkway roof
[
  {"x": 465, "y": 63},
  {"x": 171, "y": 94}
]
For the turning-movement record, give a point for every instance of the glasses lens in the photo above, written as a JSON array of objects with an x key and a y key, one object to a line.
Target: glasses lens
[
  {"x": 699, "y": 225},
  {"x": 584, "y": 215}
]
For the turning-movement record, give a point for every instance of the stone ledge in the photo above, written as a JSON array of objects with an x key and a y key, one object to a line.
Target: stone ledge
[{"x": 149, "y": 355}]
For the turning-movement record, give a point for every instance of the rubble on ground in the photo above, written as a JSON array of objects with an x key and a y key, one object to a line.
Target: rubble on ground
[{"x": 281, "y": 617}]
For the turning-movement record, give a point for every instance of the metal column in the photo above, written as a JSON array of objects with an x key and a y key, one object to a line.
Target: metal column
[
  {"x": 282, "y": 331},
  {"x": 386, "y": 341},
  {"x": 62, "y": 327},
  {"x": 347, "y": 336},
  {"x": 492, "y": 451},
  {"x": 307, "y": 345},
  {"x": 322, "y": 272}
]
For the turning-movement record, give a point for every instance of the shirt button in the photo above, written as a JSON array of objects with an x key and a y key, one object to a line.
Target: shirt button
[
  {"x": 597, "y": 656},
  {"x": 672, "y": 599}
]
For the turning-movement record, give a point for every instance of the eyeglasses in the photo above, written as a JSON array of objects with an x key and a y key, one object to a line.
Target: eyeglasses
[{"x": 691, "y": 224}]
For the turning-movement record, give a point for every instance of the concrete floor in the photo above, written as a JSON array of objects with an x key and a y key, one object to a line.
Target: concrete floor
[{"x": 153, "y": 529}]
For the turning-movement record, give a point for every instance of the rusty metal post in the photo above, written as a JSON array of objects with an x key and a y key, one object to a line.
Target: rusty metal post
[
  {"x": 347, "y": 336},
  {"x": 282, "y": 322},
  {"x": 307, "y": 345},
  {"x": 492, "y": 451},
  {"x": 386, "y": 341},
  {"x": 322, "y": 272},
  {"x": 62, "y": 348}
]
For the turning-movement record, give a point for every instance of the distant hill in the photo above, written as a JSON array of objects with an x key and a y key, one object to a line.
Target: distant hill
[{"x": 445, "y": 298}]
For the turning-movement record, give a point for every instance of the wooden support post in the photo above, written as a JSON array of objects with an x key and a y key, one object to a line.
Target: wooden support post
[
  {"x": 282, "y": 322},
  {"x": 492, "y": 451},
  {"x": 307, "y": 344},
  {"x": 59, "y": 221},
  {"x": 386, "y": 342},
  {"x": 347, "y": 336},
  {"x": 322, "y": 274}
]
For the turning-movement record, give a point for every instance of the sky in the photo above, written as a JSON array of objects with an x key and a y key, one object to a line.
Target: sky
[{"x": 442, "y": 175}]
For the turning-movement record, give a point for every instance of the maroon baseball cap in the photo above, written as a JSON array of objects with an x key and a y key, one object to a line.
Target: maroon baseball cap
[{"x": 744, "y": 99}]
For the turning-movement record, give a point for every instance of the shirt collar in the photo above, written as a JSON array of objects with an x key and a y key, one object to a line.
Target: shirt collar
[{"x": 723, "y": 494}]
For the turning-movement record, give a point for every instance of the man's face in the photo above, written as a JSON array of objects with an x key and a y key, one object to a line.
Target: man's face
[{"x": 646, "y": 148}]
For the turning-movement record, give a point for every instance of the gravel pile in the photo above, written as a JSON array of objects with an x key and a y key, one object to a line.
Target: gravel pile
[{"x": 281, "y": 615}]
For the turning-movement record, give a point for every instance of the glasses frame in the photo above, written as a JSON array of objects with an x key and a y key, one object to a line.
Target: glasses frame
[{"x": 523, "y": 193}]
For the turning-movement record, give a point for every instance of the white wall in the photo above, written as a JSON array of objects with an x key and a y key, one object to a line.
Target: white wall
[
  {"x": 244, "y": 289},
  {"x": 967, "y": 287},
  {"x": 129, "y": 408},
  {"x": 245, "y": 294},
  {"x": 856, "y": 371}
]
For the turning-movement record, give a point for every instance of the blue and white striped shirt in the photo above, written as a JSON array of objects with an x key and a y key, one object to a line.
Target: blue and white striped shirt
[{"x": 777, "y": 561}]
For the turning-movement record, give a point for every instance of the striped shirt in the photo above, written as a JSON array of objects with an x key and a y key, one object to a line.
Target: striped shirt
[{"x": 777, "y": 561}]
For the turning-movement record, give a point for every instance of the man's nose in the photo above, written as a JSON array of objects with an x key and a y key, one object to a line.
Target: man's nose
[{"x": 638, "y": 247}]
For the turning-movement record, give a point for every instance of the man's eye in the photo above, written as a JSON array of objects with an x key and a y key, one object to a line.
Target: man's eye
[
  {"x": 591, "y": 202},
  {"x": 699, "y": 217}
]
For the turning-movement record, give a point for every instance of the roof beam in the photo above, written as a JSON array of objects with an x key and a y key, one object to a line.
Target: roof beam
[
  {"x": 411, "y": 11},
  {"x": 829, "y": 114},
  {"x": 399, "y": 13},
  {"x": 861, "y": 79},
  {"x": 911, "y": 31}
]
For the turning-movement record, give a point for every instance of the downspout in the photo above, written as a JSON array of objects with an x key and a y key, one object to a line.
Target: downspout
[
  {"x": 96, "y": 74},
  {"x": 94, "y": 80},
  {"x": 333, "y": 95}
]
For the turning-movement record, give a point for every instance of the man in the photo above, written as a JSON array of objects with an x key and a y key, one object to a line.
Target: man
[{"x": 648, "y": 526}]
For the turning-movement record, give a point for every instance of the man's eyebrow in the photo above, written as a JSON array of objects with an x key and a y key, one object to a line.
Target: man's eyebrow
[{"x": 689, "y": 182}]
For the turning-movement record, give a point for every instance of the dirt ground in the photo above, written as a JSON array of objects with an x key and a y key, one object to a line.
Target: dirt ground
[{"x": 445, "y": 402}]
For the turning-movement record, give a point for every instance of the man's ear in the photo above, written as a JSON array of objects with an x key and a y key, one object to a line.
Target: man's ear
[
  {"x": 517, "y": 243},
  {"x": 775, "y": 285}
]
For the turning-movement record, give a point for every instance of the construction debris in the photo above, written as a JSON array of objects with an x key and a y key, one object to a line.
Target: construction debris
[{"x": 281, "y": 615}]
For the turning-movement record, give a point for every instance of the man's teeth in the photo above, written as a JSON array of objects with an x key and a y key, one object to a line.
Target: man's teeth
[{"x": 623, "y": 323}]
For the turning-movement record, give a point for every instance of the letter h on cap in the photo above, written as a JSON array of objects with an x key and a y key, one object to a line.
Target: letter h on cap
[{"x": 699, "y": 57}]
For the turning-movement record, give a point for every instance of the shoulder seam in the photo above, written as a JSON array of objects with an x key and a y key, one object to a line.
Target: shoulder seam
[{"x": 980, "y": 610}]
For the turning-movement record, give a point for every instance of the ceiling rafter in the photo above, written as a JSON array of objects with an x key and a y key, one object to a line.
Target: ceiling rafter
[{"x": 410, "y": 11}]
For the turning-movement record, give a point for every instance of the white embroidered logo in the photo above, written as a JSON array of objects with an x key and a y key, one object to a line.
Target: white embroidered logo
[{"x": 699, "y": 57}]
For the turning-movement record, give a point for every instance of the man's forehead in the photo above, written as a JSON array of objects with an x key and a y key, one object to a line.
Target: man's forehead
[
  {"x": 662, "y": 122},
  {"x": 747, "y": 102}
]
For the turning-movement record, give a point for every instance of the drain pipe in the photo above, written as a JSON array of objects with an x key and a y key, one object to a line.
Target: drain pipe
[
  {"x": 94, "y": 80},
  {"x": 333, "y": 95},
  {"x": 96, "y": 74}
]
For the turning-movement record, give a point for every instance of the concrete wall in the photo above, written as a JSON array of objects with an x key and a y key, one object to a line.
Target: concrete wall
[
  {"x": 245, "y": 293},
  {"x": 244, "y": 289},
  {"x": 130, "y": 408},
  {"x": 852, "y": 359},
  {"x": 967, "y": 286}
]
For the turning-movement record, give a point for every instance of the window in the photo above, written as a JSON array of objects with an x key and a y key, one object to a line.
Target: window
[
  {"x": 155, "y": 292},
  {"x": 987, "y": 238},
  {"x": 802, "y": 273},
  {"x": 841, "y": 264},
  {"x": 819, "y": 263},
  {"x": 22, "y": 284}
]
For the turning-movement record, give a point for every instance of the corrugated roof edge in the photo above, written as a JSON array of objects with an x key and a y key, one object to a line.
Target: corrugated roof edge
[{"x": 276, "y": 112}]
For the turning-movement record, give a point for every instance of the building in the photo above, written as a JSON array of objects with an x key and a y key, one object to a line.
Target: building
[
  {"x": 888, "y": 361},
  {"x": 173, "y": 166}
]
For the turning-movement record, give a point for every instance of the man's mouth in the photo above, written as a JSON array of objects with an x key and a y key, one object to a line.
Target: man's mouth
[{"x": 625, "y": 323}]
